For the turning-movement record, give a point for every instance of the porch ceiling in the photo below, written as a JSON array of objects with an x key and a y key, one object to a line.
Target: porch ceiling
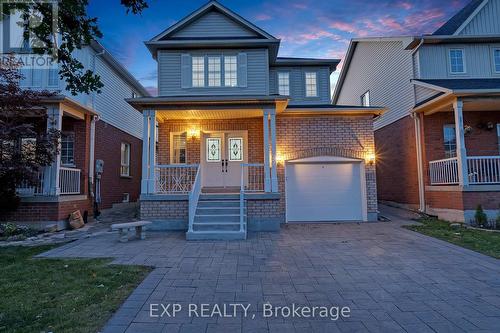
[
  {"x": 444, "y": 103},
  {"x": 163, "y": 115}
]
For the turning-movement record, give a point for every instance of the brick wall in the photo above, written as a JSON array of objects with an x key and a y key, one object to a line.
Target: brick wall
[
  {"x": 397, "y": 175},
  {"x": 164, "y": 210},
  {"x": 108, "y": 148}
]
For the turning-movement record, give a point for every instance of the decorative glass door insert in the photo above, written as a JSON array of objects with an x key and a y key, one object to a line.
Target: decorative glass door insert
[
  {"x": 235, "y": 149},
  {"x": 213, "y": 150}
]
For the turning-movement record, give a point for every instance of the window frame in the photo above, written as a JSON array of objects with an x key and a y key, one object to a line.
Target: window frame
[
  {"x": 214, "y": 72},
  {"x": 127, "y": 163},
  {"x": 200, "y": 69},
  {"x": 495, "y": 70},
  {"x": 172, "y": 134},
  {"x": 448, "y": 153},
  {"x": 498, "y": 137},
  {"x": 316, "y": 94},
  {"x": 450, "y": 66},
  {"x": 368, "y": 97},
  {"x": 279, "y": 83},
  {"x": 67, "y": 134},
  {"x": 226, "y": 77},
  {"x": 49, "y": 83}
]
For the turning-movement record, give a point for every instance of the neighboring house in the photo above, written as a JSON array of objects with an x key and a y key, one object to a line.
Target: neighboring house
[
  {"x": 240, "y": 138},
  {"x": 95, "y": 127},
  {"x": 438, "y": 144}
]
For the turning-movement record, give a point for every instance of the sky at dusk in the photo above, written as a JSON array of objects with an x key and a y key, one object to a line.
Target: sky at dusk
[{"x": 307, "y": 28}]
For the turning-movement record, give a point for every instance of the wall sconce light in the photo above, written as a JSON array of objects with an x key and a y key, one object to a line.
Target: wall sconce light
[
  {"x": 370, "y": 158},
  {"x": 280, "y": 158},
  {"x": 194, "y": 133}
]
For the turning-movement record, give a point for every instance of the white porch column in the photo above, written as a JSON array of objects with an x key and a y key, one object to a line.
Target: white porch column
[
  {"x": 145, "y": 152},
  {"x": 267, "y": 170},
  {"x": 152, "y": 151},
  {"x": 463, "y": 173},
  {"x": 51, "y": 173},
  {"x": 274, "y": 172}
]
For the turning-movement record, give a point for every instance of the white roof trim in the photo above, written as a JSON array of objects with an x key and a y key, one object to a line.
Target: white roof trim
[
  {"x": 470, "y": 18},
  {"x": 431, "y": 86}
]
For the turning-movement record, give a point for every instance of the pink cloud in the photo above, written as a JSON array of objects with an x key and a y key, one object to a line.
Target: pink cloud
[
  {"x": 263, "y": 17},
  {"x": 343, "y": 26},
  {"x": 299, "y": 5},
  {"x": 405, "y": 5}
]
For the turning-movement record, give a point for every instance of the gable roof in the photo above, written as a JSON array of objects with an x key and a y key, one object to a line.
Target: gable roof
[
  {"x": 459, "y": 85},
  {"x": 460, "y": 18},
  {"x": 289, "y": 61},
  {"x": 207, "y": 8}
]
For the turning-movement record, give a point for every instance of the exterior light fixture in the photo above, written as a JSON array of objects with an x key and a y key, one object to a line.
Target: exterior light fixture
[
  {"x": 370, "y": 158},
  {"x": 194, "y": 132}
]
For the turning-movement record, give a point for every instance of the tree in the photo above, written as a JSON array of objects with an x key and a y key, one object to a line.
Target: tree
[
  {"x": 25, "y": 143},
  {"x": 75, "y": 30}
]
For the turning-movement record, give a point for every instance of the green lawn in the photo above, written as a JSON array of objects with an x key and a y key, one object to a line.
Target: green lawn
[
  {"x": 78, "y": 295},
  {"x": 481, "y": 241}
]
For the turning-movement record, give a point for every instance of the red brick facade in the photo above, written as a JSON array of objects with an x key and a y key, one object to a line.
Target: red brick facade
[
  {"x": 108, "y": 148},
  {"x": 397, "y": 178}
]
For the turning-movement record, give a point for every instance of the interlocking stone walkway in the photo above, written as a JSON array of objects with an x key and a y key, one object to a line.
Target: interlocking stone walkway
[{"x": 394, "y": 280}]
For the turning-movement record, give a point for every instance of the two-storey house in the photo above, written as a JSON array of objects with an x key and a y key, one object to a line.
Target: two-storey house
[
  {"x": 241, "y": 139},
  {"x": 438, "y": 144},
  {"x": 99, "y": 161}
]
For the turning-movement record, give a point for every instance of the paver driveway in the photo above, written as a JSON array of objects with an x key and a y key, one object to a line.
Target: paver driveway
[{"x": 391, "y": 278}]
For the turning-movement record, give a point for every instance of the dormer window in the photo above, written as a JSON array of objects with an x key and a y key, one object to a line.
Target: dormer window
[
  {"x": 214, "y": 72},
  {"x": 198, "y": 71},
  {"x": 457, "y": 61}
]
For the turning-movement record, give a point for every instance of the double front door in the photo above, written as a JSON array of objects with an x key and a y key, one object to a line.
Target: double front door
[{"x": 222, "y": 154}]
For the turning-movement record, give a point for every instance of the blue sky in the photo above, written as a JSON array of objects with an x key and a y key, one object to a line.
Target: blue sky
[{"x": 307, "y": 28}]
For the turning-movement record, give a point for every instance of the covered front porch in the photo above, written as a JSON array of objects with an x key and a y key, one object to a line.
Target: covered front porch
[
  {"x": 458, "y": 135},
  {"x": 221, "y": 150}
]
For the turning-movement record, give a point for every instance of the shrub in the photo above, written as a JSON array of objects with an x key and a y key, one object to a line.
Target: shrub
[
  {"x": 10, "y": 229},
  {"x": 480, "y": 217}
]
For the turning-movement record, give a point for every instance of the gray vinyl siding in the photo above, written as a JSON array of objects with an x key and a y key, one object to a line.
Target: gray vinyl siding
[
  {"x": 214, "y": 24},
  {"x": 434, "y": 61},
  {"x": 385, "y": 69},
  {"x": 169, "y": 73},
  {"x": 297, "y": 84},
  {"x": 422, "y": 93},
  {"x": 486, "y": 21}
]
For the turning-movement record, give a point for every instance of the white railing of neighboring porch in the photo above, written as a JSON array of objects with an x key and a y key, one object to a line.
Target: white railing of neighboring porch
[
  {"x": 27, "y": 190},
  {"x": 481, "y": 170},
  {"x": 252, "y": 180},
  {"x": 175, "y": 179},
  {"x": 443, "y": 172},
  {"x": 69, "y": 180},
  {"x": 484, "y": 169},
  {"x": 194, "y": 196}
]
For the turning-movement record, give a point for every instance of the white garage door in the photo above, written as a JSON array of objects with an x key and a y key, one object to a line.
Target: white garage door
[{"x": 324, "y": 191}]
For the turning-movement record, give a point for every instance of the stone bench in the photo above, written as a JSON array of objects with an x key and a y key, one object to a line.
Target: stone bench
[{"x": 123, "y": 228}]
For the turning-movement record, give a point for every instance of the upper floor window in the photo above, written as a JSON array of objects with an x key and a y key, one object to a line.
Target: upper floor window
[
  {"x": 365, "y": 99},
  {"x": 230, "y": 71},
  {"x": 457, "y": 61},
  {"x": 284, "y": 83},
  {"x": 450, "y": 141},
  {"x": 125, "y": 160},
  {"x": 214, "y": 72},
  {"x": 134, "y": 95},
  {"x": 496, "y": 60},
  {"x": 178, "y": 148},
  {"x": 198, "y": 71},
  {"x": 311, "y": 84},
  {"x": 68, "y": 149}
]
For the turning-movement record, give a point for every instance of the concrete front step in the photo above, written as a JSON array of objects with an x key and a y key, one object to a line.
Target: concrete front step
[
  {"x": 218, "y": 203},
  {"x": 220, "y": 196},
  {"x": 217, "y": 218},
  {"x": 214, "y": 227},
  {"x": 217, "y": 211},
  {"x": 216, "y": 235}
]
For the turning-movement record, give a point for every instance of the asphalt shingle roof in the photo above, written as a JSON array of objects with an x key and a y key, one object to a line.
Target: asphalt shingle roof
[
  {"x": 456, "y": 21},
  {"x": 461, "y": 84}
]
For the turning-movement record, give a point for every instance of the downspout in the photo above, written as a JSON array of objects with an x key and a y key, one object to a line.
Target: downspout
[
  {"x": 420, "y": 168},
  {"x": 93, "y": 120}
]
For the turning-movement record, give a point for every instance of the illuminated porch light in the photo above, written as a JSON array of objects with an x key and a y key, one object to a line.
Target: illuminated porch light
[
  {"x": 370, "y": 158},
  {"x": 280, "y": 158},
  {"x": 194, "y": 132}
]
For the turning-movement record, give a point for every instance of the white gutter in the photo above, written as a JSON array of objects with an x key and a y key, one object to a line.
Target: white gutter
[{"x": 420, "y": 167}]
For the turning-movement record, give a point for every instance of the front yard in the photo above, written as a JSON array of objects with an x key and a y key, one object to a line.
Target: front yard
[
  {"x": 44, "y": 295},
  {"x": 485, "y": 242}
]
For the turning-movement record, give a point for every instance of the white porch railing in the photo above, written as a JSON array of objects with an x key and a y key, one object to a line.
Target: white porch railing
[
  {"x": 444, "y": 172},
  {"x": 253, "y": 177},
  {"x": 27, "y": 190},
  {"x": 69, "y": 180},
  {"x": 194, "y": 196},
  {"x": 177, "y": 179},
  {"x": 481, "y": 170},
  {"x": 484, "y": 169}
]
